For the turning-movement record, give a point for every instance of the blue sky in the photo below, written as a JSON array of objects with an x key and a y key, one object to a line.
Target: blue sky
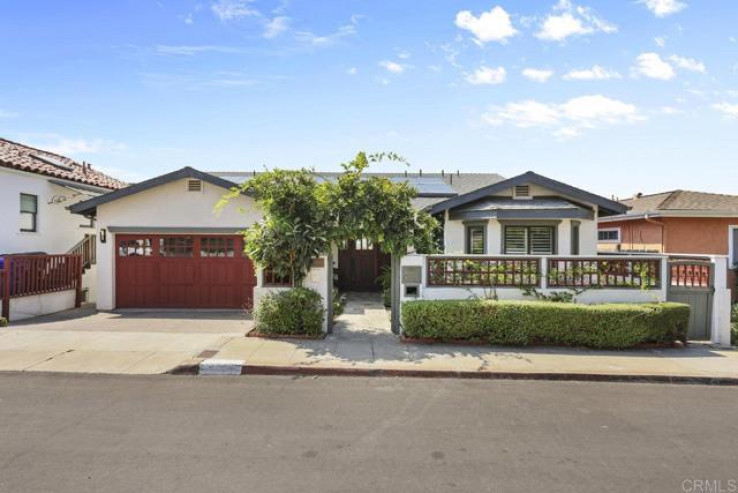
[{"x": 615, "y": 96}]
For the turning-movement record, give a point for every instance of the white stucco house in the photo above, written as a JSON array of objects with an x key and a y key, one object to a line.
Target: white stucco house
[
  {"x": 36, "y": 189},
  {"x": 161, "y": 243}
]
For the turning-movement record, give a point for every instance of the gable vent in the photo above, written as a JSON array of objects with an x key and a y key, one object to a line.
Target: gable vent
[
  {"x": 522, "y": 192},
  {"x": 194, "y": 185}
]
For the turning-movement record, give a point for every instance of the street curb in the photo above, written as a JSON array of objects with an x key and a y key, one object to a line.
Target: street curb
[{"x": 193, "y": 369}]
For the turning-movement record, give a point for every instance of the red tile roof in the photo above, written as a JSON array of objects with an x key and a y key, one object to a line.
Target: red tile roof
[{"x": 25, "y": 158}]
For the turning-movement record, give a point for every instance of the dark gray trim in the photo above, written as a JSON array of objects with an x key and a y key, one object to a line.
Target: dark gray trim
[
  {"x": 175, "y": 230},
  {"x": 475, "y": 224},
  {"x": 607, "y": 207},
  {"x": 88, "y": 207},
  {"x": 575, "y": 242},
  {"x": 523, "y": 214}
]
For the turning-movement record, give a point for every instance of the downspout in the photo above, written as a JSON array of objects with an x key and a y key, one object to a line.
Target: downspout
[{"x": 657, "y": 223}]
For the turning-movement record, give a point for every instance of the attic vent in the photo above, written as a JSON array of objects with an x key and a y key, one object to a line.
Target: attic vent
[
  {"x": 194, "y": 185},
  {"x": 522, "y": 192}
]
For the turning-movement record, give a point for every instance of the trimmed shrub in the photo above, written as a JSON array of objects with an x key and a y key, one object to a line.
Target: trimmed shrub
[
  {"x": 734, "y": 325},
  {"x": 297, "y": 311},
  {"x": 3, "y": 322},
  {"x": 612, "y": 326}
]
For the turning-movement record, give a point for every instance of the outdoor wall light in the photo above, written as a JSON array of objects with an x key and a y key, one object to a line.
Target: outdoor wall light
[{"x": 103, "y": 235}]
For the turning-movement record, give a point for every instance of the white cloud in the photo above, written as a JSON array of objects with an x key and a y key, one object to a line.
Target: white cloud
[
  {"x": 568, "y": 20},
  {"x": 487, "y": 75},
  {"x": 494, "y": 25},
  {"x": 276, "y": 26},
  {"x": 229, "y": 10},
  {"x": 688, "y": 64},
  {"x": 670, "y": 110},
  {"x": 403, "y": 55},
  {"x": 594, "y": 73},
  {"x": 653, "y": 66},
  {"x": 7, "y": 114},
  {"x": 660, "y": 41},
  {"x": 71, "y": 146},
  {"x": 568, "y": 118},
  {"x": 727, "y": 109},
  {"x": 352, "y": 71},
  {"x": 318, "y": 41},
  {"x": 537, "y": 74},
  {"x": 392, "y": 67},
  {"x": 662, "y": 8}
]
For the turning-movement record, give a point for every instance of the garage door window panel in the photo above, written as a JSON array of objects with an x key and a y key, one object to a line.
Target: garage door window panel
[
  {"x": 217, "y": 247},
  {"x": 140, "y": 247},
  {"x": 178, "y": 246}
]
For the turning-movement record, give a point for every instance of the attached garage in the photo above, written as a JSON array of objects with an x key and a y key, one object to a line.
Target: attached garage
[
  {"x": 182, "y": 271},
  {"x": 163, "y": 243}
]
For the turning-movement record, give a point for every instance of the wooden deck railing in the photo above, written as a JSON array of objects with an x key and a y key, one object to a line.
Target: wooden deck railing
[
  {"x": 628, "y": 273},
  {"x": 87, "y": 249},
  {"x": 484, "y": 271},
  {"x": 26, "y": 275},
  {"x": 544, "y": 272}
]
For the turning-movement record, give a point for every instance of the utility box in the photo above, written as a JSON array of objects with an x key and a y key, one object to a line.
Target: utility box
[{"x": 412, "y": 274}]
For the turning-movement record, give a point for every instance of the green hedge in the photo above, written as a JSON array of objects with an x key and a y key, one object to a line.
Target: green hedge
[
  {"x": 297, "y": 311},
  {"x": 530, "y": 322},
  {"x": 3, "y": 322}
]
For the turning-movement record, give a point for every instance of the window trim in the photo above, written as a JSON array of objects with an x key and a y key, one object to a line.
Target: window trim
[
  {"x": 608, "y": 230},
  {"x": 467, "y": 237},
  {"x": 732, "y": 246},
  {"x": 34, "y": 215},
  {"x": 554, "y": 225}
]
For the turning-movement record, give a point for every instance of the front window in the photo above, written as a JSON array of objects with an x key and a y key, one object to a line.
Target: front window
[
  {"x": 609, "y": 235},
  {"x": 28, "y": 212},
  {"x": 529, "y": 240},
  {"x": 475, "y": 240}
]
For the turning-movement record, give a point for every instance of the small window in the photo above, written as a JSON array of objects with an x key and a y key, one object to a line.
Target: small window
[
  {"x": 521, "y": 192},
  {"x": 194, "y": 185},
  {"x": 217, "y": 247},
  {"x": 28, "y": 212},
  {"x": 135, "y": 248},
  {"x": 529, "y": 240},
  {"x": 475, "y": 244},
  {"x": 178, "y": 246},
  {"x": 609, "y": 235}
]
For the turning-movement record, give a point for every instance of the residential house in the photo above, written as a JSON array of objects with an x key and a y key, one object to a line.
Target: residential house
[
  {"x": 37, "y": 188},
  {"x": 161, "y": 244},
  {"x": 676, "y": 222}
]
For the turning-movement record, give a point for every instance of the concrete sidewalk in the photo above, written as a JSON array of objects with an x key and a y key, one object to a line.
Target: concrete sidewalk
[
  {"x": 140, "y": 342},
  {"x": 363, "y": 343}
]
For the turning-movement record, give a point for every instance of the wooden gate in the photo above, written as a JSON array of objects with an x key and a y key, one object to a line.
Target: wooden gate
[{"x": 692, "y": 281}]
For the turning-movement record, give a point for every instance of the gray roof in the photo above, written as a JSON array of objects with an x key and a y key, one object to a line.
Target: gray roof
[
  {"x": 606, "y": 206},
  {"x": 509, "y": 208}
]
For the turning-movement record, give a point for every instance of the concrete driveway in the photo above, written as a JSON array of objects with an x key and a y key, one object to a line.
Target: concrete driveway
[{"x": 124, "y": 342}]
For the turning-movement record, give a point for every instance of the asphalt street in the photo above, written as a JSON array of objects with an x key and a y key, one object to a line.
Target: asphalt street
[{"x": 66, "y": 433}]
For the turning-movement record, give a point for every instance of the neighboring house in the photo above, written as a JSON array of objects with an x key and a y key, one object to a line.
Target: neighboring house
[
  {"x": 37, "y": 188},
  {"x": 161, "y": 244},
  {"x": 677, "y": 222}
]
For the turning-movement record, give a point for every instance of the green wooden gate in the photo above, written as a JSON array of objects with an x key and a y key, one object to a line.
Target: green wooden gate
[{"x": 692, "y": 281}]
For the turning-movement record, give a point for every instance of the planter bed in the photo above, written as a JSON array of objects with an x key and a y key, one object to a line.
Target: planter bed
[{"x": 263, "y": 335}]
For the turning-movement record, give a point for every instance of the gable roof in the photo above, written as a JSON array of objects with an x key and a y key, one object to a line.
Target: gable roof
[
  {"x": 606, "y": 206},
  {"x": 88, "y": 207},
  {"x": 21, "y": 157},
  {"x": 683, "y": 200}
]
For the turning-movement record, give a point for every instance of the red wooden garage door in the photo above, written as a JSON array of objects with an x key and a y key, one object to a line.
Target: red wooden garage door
[{"x": 183, "y": 271}]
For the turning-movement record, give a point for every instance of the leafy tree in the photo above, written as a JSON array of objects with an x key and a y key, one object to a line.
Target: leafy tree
[{"x": 303, "y": 216}]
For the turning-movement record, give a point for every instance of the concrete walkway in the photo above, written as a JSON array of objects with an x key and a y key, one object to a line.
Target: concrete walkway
[
  {"x": 362, "y": 340},
  {"x": 126, "y": 342}
]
